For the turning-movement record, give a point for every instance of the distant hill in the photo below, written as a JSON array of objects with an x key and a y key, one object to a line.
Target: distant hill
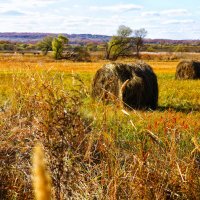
[
  {"x": 35, "y": 37},
  {"x": 168, "y": 41},
  {"x": 80, "y": 38}
]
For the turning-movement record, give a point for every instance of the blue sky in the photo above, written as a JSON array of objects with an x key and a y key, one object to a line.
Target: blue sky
[{"x": 172, "y": 19}]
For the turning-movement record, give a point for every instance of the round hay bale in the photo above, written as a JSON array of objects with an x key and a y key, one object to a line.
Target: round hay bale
[
  {"x": 135, "y": 84},
  {"x": 188, "y": 69}
]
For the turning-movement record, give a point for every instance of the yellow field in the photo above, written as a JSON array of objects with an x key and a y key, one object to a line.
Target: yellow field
[
  {"x": 96, "y": 151},
  {"x": 19, "y": 62}
]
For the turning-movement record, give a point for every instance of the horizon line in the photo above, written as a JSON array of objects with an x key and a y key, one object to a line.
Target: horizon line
[{"x": 9, "y": 32}]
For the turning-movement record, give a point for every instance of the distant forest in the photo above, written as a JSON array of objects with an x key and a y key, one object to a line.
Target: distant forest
[{"x": 30, "y": 42}]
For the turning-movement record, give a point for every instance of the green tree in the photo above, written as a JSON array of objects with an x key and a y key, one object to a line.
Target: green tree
[
  {"x": 80, "y": 54},
  {"x": 45, "y": 44},
  {"x": 91, "y": 46},
  {"x": 124, "y": 31},
  {"x": 58, "y": 46},
  {"x": 119, "y": 45},
  {"x": 150, "y": 49},
  {"x": 179, "y": 48}
]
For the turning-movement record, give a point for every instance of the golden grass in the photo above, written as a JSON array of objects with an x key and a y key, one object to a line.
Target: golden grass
[
  {"x": 41, "y": 178},
  {"x": 96, "y": 151},
  {"x": 163, "y": 67},
  {"x": 18, "y": 62}
]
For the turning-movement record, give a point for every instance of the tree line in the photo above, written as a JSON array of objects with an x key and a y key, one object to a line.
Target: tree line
[{"x": 124, "y": 43}]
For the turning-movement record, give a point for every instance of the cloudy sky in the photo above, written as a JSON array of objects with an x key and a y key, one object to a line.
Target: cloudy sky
[{"x": 173, "y": 19}]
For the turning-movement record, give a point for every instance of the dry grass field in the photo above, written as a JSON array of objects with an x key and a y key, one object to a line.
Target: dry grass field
[
  {"x": 19, "y": 62},
  {"x": 92, "y": 150}
]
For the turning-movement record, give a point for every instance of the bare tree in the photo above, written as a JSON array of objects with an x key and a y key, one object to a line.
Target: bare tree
[{"x": 138, "y": 40}]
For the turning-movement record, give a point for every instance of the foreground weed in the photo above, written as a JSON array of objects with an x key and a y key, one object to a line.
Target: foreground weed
[
  {"x": 41, "y": 178},
  {"x": 96, "y": 151}
]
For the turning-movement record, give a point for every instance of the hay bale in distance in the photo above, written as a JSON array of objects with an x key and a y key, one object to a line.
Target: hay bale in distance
[
  {"x": 135, "y": 84},
  {"x": 188, "y": 69}
]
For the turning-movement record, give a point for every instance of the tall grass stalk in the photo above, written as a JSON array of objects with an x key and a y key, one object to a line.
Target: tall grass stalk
[{"x": 41, "y": 177}]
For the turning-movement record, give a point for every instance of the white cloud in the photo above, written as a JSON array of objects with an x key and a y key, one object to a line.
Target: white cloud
[
  {"x": 187, "y": 21},
  {"x": 150, "y": 14},
  {"x": 24, "y": 5},
  {"x": 175, "y": 12},
  {"x": 31, "y": 2},
  {"x": 169, "y": 13},
  {"x": 117, "y": 8},
  {"x": 56, "y": 16},
  {"x": 12, "y": 13}
]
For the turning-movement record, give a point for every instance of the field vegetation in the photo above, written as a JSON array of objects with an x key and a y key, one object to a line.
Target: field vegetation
[{"x": 95, "y": 150}]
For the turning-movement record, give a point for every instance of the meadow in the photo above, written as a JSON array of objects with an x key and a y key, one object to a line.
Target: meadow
[{"x": 93, "y": 150}]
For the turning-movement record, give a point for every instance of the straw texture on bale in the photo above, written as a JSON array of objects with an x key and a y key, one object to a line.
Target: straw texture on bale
[
  {"x": 134, "y": 84},
  {"x": 188, "y": 69}
]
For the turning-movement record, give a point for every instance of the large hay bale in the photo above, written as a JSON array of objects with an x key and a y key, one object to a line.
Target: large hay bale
[
  {"x": 135, "y": 84},
  {"x": 188, "y": 69}
]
